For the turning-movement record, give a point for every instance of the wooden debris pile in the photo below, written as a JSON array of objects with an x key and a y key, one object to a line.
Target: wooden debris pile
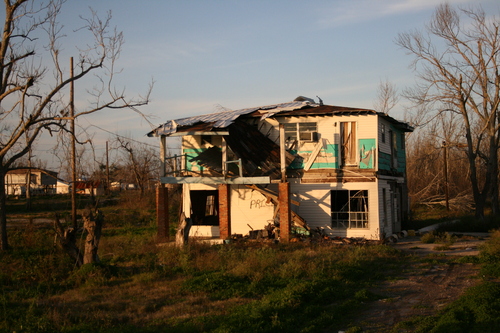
[{"x": 270, "y": 234}]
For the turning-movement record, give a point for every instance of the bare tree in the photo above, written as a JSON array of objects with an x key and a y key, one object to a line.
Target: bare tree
[
  {"x": 430, "y": 179},
  {"x": 457, "y": 61},
  {"x": 387, "y": 97},
  {"x": 141, "y": 162},
  {"x": 34, "y": 80}
]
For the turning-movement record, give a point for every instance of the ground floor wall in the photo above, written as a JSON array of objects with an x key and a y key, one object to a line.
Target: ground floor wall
[
  {"x": 319, "y": 209},
  {"x": 372, "y": 210},
  {"x": 249, "y": 210}
]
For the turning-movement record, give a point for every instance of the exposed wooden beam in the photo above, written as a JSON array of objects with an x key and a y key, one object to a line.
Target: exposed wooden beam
[
  {"x": 199, "y": 133},
  {"x": 215, "y": 180}
]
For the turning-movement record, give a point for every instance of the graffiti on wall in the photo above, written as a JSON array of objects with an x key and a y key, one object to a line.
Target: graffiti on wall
[
  {"x": 367, "y": 153},
  {"x": 259, "y": 203}
]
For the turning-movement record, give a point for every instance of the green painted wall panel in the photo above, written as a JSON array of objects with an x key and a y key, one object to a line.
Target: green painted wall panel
[{"x": 367, "y": 149}]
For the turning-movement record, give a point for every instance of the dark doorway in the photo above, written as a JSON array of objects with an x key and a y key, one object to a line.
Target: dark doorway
[{"x": 205, "y": 207}]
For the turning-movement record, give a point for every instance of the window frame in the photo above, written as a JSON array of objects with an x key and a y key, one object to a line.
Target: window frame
[
  {"x": 299, "y": 128},
  {"x": 349, "y": 143},
  {"x": 353, "y": 212}
]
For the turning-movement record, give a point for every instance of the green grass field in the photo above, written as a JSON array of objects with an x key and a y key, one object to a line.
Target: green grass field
[{"x": 252, "y": 287}]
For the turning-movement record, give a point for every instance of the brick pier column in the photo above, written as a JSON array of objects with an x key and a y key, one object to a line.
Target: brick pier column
[
  {"x": 285, "y": 211},
  {"x": 162, "y": 215},
  {"x": 224, "y": 211}
]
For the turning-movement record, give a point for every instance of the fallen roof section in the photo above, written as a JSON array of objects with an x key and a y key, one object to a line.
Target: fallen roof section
[
  {"x": 259, "y": 155},
  {"x": 226, "y": 118}
]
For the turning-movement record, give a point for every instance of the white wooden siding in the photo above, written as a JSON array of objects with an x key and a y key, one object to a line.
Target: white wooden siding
[
  {"x": 385, "y": 226},
  {"x": 384, "y": 147},
  {"x": 315, "y": 207}
]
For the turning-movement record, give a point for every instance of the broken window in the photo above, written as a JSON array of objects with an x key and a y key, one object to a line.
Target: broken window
[
  {"x": 349, "y": 209},
  {"x": 305, "y": 132},
  {"x": 348, "y": 142}
]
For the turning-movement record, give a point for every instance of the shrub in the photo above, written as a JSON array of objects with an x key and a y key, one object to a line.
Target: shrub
[{"x": 428, "y": 238}]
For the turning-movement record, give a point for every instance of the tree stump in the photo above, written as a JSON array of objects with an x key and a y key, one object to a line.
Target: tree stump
[
  {"x": 92, "y": 223},
  {"x": 182, "y": 235},
  {"x": 67, "y": 240}
]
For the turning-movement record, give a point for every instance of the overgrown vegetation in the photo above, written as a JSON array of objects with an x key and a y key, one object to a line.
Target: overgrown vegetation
[{"x": 140, "y": 286}]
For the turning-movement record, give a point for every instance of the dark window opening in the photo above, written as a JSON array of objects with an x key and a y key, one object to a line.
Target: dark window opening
[
  {"x": 349, "y": 209},
  {"x": 205, "y": 207}
]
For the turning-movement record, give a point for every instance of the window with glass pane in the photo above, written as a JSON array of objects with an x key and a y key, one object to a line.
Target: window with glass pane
[
  {"x": 291, "y": 132},
  {"x": 349, "y": 209},
  {"x": 306, "y": 130},
  {"x": 302, "y": 131}
]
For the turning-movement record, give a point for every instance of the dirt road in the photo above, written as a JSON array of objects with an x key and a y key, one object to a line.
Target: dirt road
[{"x": 431, "y": 280}]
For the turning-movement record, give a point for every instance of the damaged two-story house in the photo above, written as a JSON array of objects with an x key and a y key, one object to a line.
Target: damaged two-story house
[{"x": 337, "y": 169}]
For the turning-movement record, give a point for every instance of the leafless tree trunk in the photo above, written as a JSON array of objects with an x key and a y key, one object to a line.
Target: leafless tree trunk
[
  {"x": 457, "y": 65},
  {"x": 32, "y": 101},
  {"x": 92, "y": 223},
  {"x": 182, "y": 235}
]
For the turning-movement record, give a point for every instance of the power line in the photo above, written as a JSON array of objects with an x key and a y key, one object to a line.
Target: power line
[{"x": 124, "y": 137}]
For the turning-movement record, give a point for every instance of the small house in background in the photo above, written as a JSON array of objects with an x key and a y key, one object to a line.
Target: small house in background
[
  {"x": 62, "y": 187},
  {"x": 340, "y": 170},
  {"x": 119, "y": 186},
  {"x": 89, "y": 187},
  {"x": 41, "y": 181}
]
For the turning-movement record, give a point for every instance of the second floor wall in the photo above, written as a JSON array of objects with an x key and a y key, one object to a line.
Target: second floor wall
[{"x": 365, "y": 141}]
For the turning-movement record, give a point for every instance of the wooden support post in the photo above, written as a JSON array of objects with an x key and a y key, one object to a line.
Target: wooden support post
[
  {"x": 163, "y": 155},
  {"x": 224, "y": 211},
  {"x": 224, "y": 157},
  {"x": 285, "y": 212},
  {"x": 282, "y": 152},
  {"x": 162, "y": 215},
  {"x": 446, "y": 192}
]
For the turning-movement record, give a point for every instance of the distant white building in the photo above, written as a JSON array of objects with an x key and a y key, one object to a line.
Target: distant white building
[
  {"x": 89, "y": 187},
  {"x": 40, "y": 181},
  {"x": 62, "y": 187}
]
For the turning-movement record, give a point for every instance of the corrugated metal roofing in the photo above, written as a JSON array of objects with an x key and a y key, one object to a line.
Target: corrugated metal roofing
[
  {"x": 226, "y": 118},
  {"x": 302, "y": 107}
]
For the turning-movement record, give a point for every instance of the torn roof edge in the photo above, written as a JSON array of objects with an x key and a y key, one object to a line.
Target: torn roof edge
[{"x": 226, "y": 118}]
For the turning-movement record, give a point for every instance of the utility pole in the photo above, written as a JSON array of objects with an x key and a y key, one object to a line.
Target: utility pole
[
  {"x": 107, "y": 169},
  {"x": 28, "y": 182},
  {"x": 446, "y": 194},
  {"x": 73, "y": 146}
]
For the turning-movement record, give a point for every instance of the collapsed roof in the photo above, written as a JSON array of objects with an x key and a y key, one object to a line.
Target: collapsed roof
[
  {"x": 224, "y": 119},
  {"x": 301, "y": 106},
  {"x": 259, "y": 155}
]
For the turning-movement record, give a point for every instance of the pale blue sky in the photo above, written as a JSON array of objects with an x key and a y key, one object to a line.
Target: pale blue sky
[{"x": 240, "y": 54}]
